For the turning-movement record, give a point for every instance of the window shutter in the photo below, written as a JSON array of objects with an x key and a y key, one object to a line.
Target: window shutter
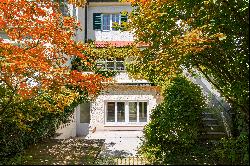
[
  {"x": 124, "y": 19},
  {"x": 97, "y": 21}
]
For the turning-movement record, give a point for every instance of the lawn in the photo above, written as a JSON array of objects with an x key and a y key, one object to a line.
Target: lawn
[{"x": 62, "y": 152}]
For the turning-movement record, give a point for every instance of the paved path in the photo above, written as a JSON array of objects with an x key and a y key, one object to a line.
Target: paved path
[{"x": 118, "y": 143}]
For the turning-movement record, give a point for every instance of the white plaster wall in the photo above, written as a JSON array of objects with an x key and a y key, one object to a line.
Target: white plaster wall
[
  {"x": 108, "y": 35},
  {"x": 80, "y": 17},
  {"x": 97, "y": 113},
  {"x": 123, "y": 77},
  {"x": 111, "y": 36},
  {"x": 82, "y": 129},
  {"x": 69, "y": 129}
]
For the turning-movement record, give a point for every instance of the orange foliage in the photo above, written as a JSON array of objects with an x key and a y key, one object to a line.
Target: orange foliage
[
  {"x": 38, "y": 47},
  {"x": 77, "y": 2},
  {"x": 149, "y": 2}
]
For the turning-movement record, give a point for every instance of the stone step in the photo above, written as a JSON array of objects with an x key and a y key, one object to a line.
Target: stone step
[
  {"x": 210, "y": 121},
  {"x": 209, "y": 143},
  {"x": 213, "y": 128},
  {"x": 208, "y": 115},
  {"x": 212, "y": 125},
  {"x": 214, "y": 135}
]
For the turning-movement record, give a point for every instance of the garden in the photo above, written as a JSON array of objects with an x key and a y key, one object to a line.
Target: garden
[{"x": 38, "y": 91}]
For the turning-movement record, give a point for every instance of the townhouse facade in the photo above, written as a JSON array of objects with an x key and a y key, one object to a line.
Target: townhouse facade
[{"x": 127, "y": 104}]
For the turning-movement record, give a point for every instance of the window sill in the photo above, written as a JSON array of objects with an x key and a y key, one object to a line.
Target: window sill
[
  {"x": 110, "y": 30},
  {"x": 125, "y": 125}
]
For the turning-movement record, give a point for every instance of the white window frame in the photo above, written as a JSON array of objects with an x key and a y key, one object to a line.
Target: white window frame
[
  {"x": 115, "y": 64},
  {"x": 110, "y": 21},
  {"x": 126, "y": 123}
]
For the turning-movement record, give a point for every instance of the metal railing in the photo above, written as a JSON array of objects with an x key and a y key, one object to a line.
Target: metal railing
[{"x": 132, "y": 160}]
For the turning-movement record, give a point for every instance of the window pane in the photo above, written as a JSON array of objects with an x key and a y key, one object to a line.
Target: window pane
[
  {"x": 100, "y": 64},
  {"x": 119, "y": 66},
  {"x": 111, "y": 112},
  {"x": 106, "y": 22},
  {"x": 132, "y": 111},
  {"x": 115, "y": 20},
  {"x": 143, "y": 111},
  {"x": 120, "y": 112},
  {"x": 110, "y": 65}
]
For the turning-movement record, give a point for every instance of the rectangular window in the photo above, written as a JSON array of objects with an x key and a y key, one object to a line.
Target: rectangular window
[
  {"x": 108, "y": 22},
  {"x": 111, "y": 112},
  {"x": 115, "y": 20},
  {"x": 143, "y": 111},
  {"x": 119, "y": 64},
  {"x": 120, "y": 112},
  {"x": 101, "y": 64},
  {"x": 126, "y": 112},
  {"x": 111, "y": 64},
  {"x": 132, "y": 111}
]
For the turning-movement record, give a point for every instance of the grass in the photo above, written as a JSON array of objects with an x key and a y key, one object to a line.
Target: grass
[{"x": 61, "y": 152}]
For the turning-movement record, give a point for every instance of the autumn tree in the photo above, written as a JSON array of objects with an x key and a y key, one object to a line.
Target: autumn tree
[
  {"x": 38, "y": 46},
  {"x": 209, "y": 36},
  {"x": 37, "y": 84}
]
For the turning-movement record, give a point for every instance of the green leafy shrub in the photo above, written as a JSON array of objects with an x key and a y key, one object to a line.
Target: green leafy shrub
[
  {"x": 26, "y": 123},
  {"x": 172, "y": 135},
  {"x": 233, "y": 151}
]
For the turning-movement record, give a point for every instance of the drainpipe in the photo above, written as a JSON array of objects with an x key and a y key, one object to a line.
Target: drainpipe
[{"x": 86, "y": 21}]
